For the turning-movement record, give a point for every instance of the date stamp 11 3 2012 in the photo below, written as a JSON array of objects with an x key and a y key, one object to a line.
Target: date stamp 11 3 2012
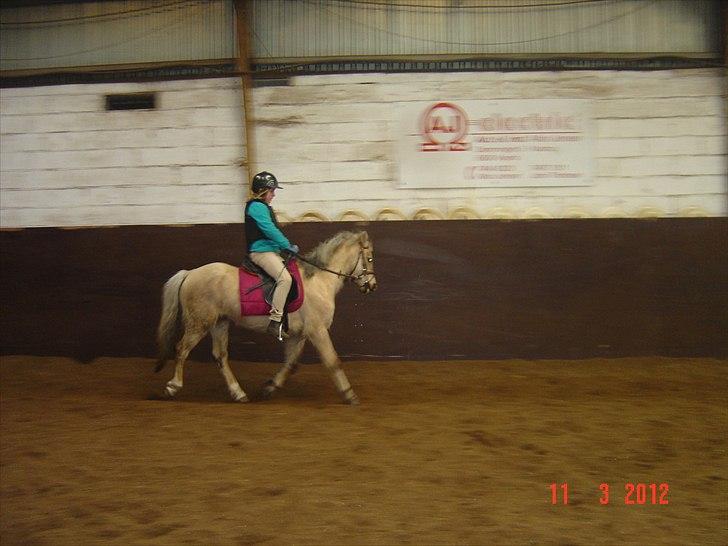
[{"x": 634, "y": 494}]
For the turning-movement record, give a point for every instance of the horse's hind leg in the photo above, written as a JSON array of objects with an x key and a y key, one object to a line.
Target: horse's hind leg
[
  {"x": 219, "y": 334},
  {"x": 191, "y": 337},
  {"x": 293, "y": 348},
  {"x": 322, "y": 341}
]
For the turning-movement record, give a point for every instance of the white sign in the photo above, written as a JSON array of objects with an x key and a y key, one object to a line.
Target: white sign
[{"x": 502, "y": 143}]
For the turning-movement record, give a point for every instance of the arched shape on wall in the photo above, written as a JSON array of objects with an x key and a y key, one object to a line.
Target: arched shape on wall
[
  {"x": 536, "y": 213},
  {"x": 312, "y": 216},
  {"x": 352, "y": 215},
  {"x": 463, "y": 213},
  {"x": 613, "y": 212},
  {"x": 428, "y": 214},
  {"x": 650, "y": 212},
  {"x": 576, "y": 212},
  {"x": 390, "y": 214},
  {"x": 693, "y": 212},
  {"x": 501, "y": 213}
]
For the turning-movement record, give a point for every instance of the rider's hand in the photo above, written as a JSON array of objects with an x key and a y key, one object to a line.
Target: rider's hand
[{"x": 293, "y": 249}]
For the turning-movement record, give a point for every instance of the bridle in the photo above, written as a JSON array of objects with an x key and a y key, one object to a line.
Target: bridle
[{"x": 363, "y": 258}]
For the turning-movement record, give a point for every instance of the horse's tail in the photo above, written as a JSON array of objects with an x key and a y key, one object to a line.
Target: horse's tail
[{"x": 169, "y": 322}]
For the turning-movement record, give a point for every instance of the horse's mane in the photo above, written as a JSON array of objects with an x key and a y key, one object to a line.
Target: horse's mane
[{"x": 322, "y": 253}]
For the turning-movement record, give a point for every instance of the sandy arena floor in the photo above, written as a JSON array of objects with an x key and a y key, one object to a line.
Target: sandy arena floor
[{"x": 438, "y": 453}]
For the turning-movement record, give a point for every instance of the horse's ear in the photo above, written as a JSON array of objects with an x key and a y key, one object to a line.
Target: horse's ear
[{"x": 364, "y": 237}]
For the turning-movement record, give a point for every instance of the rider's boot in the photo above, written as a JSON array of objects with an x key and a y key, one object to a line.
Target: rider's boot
[{"x": 275, "y": 328}]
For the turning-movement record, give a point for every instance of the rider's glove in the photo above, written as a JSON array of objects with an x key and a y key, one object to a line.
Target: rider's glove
[{"x": 293, "y": 249}]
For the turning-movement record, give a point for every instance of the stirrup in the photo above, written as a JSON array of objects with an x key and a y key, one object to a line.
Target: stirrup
[{"x": 275, "y": 329}]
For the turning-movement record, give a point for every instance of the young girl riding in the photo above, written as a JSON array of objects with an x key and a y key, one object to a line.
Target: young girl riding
[{"x": 266, "y": 242}]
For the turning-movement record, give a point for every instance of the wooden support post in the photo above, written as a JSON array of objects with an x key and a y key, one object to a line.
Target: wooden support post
[
  {"x": 724, "y": 7},
  {"x": 242, "y": 16}
]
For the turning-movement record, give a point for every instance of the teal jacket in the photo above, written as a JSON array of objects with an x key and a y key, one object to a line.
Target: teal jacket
[{"x": 274, "y": 240}]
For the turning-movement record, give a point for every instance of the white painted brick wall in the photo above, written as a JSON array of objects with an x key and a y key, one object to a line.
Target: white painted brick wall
[
  {"x": 65, "y": 161},
  {"x": 660, "y": 149}
]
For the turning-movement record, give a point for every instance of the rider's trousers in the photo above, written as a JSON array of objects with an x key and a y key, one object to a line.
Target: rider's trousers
[{"x": 272, "y": 264}]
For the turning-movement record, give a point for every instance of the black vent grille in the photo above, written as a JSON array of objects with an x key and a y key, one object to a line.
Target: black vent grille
[{"x": 131, "y": 101}]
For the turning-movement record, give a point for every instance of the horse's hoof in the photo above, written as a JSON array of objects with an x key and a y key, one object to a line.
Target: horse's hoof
[
  {"x": 352, "y": 399},
  {"x": 238, "y": 395},
  {"x": 269, "y": 389},
  {"x": 169, "y": 392}
]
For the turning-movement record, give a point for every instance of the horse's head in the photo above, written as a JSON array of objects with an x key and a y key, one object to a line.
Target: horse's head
[
  {"x": 363, "y": 273},
  {"x": 347, "y": 255}
]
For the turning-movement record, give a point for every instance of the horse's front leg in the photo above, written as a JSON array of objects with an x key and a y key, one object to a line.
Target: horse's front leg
[
  {"x": 219, "y": 334},
  {"x": 322, "y": 341},
  {"x": 292, "y": 349}
]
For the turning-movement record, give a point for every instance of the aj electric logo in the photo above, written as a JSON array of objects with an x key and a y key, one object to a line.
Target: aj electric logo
[{"x": 444, "y": 128}]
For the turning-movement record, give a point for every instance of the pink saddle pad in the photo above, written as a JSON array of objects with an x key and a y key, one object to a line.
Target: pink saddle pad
[{"x": 252, "y": 301}]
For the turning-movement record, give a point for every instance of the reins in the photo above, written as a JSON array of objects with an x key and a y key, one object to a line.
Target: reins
[{"x": 349, "y": 276}]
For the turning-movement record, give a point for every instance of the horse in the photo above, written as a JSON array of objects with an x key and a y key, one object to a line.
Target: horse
[{"x": 206, "y": 300}]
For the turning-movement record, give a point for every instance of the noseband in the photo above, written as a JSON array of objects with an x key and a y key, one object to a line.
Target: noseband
[{"x": 363, "y": 260}]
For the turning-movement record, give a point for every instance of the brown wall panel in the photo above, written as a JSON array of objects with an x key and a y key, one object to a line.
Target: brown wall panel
[{"x": 447, "y": 289}]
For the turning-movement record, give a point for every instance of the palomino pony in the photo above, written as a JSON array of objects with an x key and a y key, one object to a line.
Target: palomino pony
[{"x": 207, "y": 299}]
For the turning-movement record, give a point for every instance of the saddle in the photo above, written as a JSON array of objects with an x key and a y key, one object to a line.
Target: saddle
[{"x": 257, "y": 287}]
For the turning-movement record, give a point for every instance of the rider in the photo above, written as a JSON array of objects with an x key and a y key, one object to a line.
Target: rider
[{"x": 265, "y": 244}]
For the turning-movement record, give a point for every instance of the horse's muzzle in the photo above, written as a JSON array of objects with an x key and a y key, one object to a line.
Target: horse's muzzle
[{"x": 368, "y": 286}]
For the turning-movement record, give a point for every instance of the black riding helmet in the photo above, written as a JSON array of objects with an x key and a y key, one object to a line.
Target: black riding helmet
[{"x": 264, "y": 181}]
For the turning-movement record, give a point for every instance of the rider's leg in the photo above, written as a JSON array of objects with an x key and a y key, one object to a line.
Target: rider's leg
[{"x": 273, "y": 264}]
